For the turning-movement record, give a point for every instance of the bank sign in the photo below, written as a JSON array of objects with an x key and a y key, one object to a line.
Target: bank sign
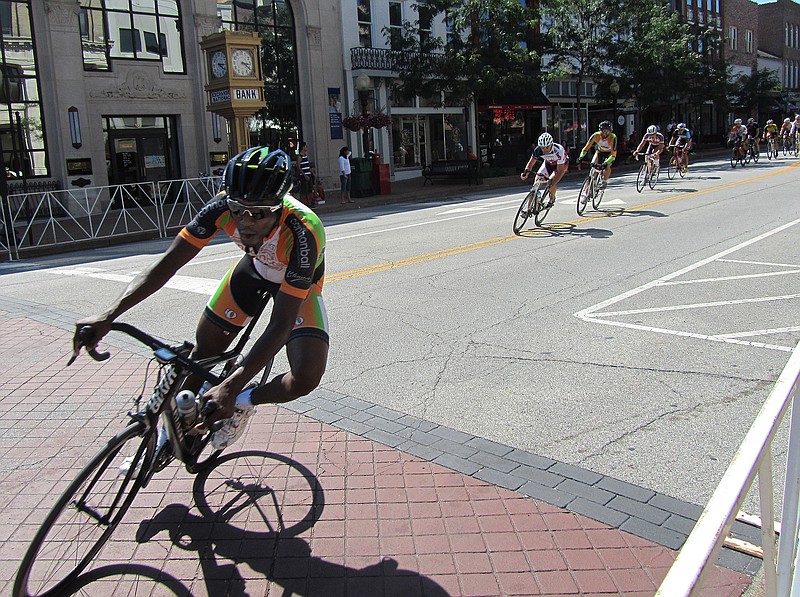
[{"x": 247, "y": 94}]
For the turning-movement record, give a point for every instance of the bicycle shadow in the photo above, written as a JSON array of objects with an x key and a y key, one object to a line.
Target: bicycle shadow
[
  {"x": 245, "y": 520},
  {"x": 131, "y": 574},
  {"x": 560, "y": 229},
  {"x": 286, "y": 561}
]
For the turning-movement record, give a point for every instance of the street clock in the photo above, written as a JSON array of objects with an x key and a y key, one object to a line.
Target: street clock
[{"x": 235, "y": 88}]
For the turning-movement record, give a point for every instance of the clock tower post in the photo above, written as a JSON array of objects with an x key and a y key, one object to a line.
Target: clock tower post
[{"x": 235, "y": 83}]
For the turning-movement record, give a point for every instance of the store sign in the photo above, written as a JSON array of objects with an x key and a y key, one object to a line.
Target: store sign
[
  {"x": 76, "y": 167},
  {"x": 218, "y": 158},
  {"x": 223, "y": 95}
]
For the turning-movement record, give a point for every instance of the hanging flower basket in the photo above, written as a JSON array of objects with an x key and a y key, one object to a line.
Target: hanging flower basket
[
  {"x": 374, "y": 121},
  {"x": 379, "y": 120},
  {"x": 355, "y": 123}
]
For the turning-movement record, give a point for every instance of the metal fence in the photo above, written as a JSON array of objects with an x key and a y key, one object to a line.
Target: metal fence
[
  {"x": 754, "y": 456},
  {"x": 47, "y": 218}
]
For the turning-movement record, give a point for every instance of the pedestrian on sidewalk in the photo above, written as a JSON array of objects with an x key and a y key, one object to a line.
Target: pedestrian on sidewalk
[
  {"x": 344, "y": 174},
  {"x": 305, "y": 176}
]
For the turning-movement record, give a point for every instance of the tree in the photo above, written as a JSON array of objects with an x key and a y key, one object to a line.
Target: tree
[
  {"x": 577, "y": 37},
  {"x": 487, "y": 50},
  {"x": 757, "y": 91},
  {"x": 661, "y": 61}
]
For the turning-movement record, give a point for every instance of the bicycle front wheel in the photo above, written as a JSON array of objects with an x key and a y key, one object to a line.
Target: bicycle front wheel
[
  {"x": 584, "y": 194},
  {"x": 599, "y": 191},
  {"x": 653, "y": 179},
  {"x": 641, "y": 178},
  {"x": 541, "y": 200},
  {"x": 756, "y": 155},
  {"x": 85, "y": 515},
  {"x": 524, "y": 211}
]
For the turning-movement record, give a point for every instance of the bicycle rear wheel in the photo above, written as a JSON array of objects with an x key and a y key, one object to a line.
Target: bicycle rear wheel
[
  {"x": 524, "y": 211},
  {"x": 641, "y": 178},
  {"x": 584, "y": 194},
  {"x": 85, "y": 515},
  {"x": 769, "y": 151},
  {"x": 672, "y": 169}
]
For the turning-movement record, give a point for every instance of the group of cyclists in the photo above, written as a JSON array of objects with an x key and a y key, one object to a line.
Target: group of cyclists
[
  {"x": 746, "y": 136},
  {"x": 553, "y": 158}
]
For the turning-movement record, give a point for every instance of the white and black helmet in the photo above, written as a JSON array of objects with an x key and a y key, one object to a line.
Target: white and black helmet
[
  {"x": 545, "y": 140},
  {"x": 652, "y": 129}
]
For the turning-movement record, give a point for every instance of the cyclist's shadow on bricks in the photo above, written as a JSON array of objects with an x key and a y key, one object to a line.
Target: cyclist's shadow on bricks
[{"x": 281, "y": 557}]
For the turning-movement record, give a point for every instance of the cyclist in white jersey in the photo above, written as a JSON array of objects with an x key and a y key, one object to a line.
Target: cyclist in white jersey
[{"x": 554, "y": 161}]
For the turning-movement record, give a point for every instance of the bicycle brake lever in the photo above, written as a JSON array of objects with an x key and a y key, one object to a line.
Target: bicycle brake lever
[{"x": 85, "y": 335}]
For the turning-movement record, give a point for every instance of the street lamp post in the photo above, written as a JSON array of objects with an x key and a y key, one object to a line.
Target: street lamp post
[
  {"x": 364, "y": 85},
  {"x": 614, "y": 89}
]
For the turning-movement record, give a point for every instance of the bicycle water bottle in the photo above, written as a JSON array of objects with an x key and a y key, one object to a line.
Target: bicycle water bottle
[{"x": 187, "y": 407}]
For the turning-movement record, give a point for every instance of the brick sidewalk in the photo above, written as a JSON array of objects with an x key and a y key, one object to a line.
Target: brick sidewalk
[{"x": 361, "y": 518}]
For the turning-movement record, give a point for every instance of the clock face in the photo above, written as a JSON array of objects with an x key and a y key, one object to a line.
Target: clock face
[
  {"x": 219, "y": 64},
  {"x": 243, "y": 63}
]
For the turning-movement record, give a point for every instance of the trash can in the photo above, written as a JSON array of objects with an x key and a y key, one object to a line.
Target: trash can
[
  {"x": 382, "y": 180},
  {"x": 361, "y": 177}
]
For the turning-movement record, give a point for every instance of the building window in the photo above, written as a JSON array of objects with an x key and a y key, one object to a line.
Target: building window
[
  {"x": 277, "y": 125},
  {"x": 364, "y": 23},
  {"x": 748, "y": 41},
  {"x": 426, "y": 14},
  {"x": 395, "y": 25},
  {"x": 131, "y": 30},
  {"x": 23, "y": 142},
  {"x": 733, "y": 38}
]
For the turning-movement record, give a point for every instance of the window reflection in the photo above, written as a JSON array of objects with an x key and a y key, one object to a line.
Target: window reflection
[
  {"x": 277, "y": 125},
  {"x": 22, "y": 138},
  {"x": 137, "y": 30}
]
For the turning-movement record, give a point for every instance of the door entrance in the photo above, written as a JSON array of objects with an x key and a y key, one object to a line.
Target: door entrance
[
  {"x": 142, "y": 157},
  {"x": 141, "y": 149}
]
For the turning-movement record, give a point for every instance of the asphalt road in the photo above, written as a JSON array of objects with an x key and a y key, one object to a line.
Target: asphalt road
[{"x": 638, "y": 341}]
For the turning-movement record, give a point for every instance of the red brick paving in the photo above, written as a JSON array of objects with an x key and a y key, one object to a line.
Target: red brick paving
[{"x": 392, "y": 524}]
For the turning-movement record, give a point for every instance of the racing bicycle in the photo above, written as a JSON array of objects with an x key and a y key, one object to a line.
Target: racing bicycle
[
  {"x": 535, "y": 203},
  {"x": 752, "y": 152},
  {"x": 86, "y": 514},
  {"x": 772, "y": 148},
  {"x": 592, "y": 188},
  {"x": 676, "y": 162},
  {"x": 738, "y": 154},
  {"x": 648, "y": 173}
]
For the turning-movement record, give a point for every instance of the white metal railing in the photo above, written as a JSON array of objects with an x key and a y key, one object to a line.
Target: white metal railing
[
  {"x": 754, "y": 456},
  {"x": 50, "y": 218}
]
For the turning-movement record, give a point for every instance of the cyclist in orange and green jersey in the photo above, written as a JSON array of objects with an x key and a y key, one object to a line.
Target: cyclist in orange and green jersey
[{"x": 606, "y": 152}]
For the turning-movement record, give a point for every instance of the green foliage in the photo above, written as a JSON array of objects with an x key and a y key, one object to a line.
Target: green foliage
[
  {"x": 490, "y": 49},
  {"x": 757, "y": 90}
]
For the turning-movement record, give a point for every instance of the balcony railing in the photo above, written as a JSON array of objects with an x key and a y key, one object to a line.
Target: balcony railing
[{"x": 387, "y": 60}]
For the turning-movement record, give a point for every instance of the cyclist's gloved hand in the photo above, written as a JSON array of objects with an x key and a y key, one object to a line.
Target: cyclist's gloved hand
[
  {"x": 223, "y": 399},
  {"x": 582, "y": 155},
  {"x": 88, "y": 333}
]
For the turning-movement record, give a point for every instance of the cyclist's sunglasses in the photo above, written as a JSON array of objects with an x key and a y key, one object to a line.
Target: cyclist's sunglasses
[{"x": 257, "y": 212}]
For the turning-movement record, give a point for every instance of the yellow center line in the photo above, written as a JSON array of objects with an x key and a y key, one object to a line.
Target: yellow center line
[{"x": 389, "y": 265}]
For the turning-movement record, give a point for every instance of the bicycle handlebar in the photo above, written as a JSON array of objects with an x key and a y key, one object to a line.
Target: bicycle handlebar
[{"x": 86, "y": 335}]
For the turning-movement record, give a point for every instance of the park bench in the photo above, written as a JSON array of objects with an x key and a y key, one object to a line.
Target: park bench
[{"x": 464, "y": 169}]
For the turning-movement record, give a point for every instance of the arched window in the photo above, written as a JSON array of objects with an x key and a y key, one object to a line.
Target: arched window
[{"x": 277, "y": 125}]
